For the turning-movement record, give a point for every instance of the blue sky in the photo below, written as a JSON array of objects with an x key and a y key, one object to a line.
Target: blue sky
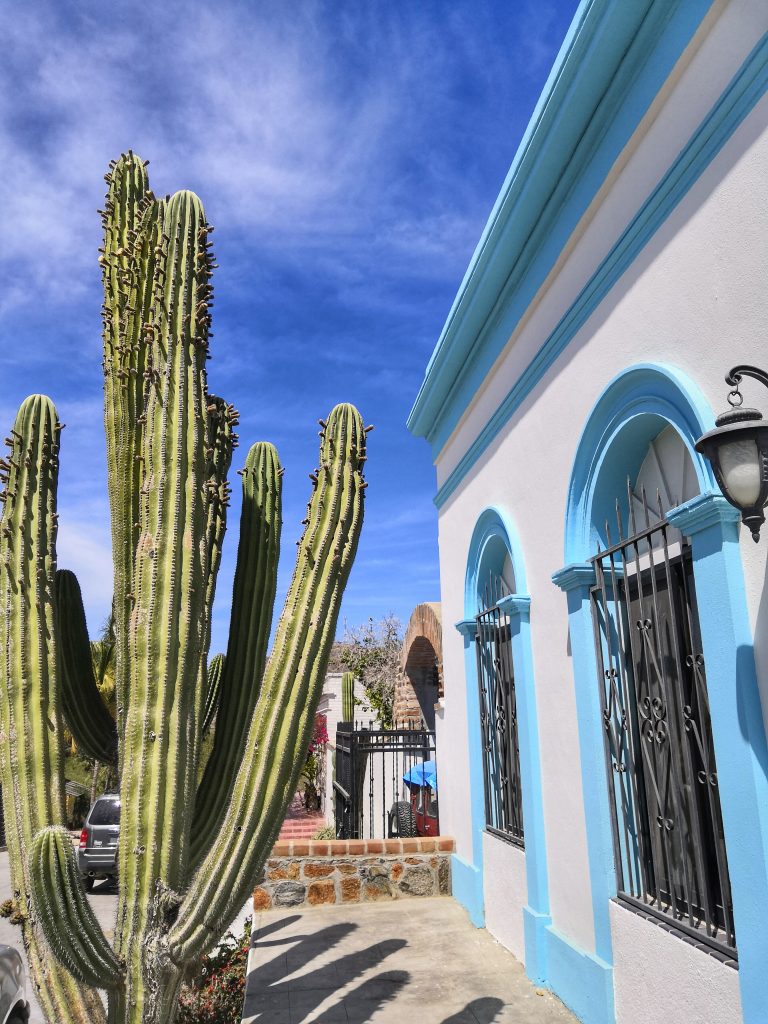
[{"x": 348, "y": 155}]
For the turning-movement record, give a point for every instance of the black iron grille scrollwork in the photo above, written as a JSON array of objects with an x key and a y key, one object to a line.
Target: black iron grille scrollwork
[
  {"x": 498, "y": 718},
  {"x": 667, "y": 826}
]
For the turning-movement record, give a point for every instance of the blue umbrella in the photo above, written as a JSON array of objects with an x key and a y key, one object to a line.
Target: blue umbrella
[{"x": 424, "y": 774}]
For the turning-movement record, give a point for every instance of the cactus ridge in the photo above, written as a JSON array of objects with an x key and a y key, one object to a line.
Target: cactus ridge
[
  {"x": 213, "y": 690},
  {"x": 85, "y": 713},
  {"x": 348, "y": 696},
  {"x": 187, "y": 854},
  {"x": 253, "y": 596},
  {"x": 30, "y": 719},
  {"x": 78, "y": 941}
]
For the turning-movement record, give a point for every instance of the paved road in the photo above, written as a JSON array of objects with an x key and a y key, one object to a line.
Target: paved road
[
  {"x": 414, "y": 960},
  {"x": 104, "y": 903}
]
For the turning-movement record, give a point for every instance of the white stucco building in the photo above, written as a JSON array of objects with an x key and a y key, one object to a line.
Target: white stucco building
[{"x": 607, "y": 781}]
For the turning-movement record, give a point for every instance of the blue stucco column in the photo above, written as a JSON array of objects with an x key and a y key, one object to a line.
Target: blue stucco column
[
  {"x": 581, "y": 978},
  {"x": 467, "y": 876},
  {"x": 738, "y": 730},
  {"x": 536, "y": 913}
]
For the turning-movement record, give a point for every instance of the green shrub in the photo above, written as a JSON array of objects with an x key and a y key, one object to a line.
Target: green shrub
[
  {"x": 327, "y": 832},
  {"x": 216, "y": 995}
]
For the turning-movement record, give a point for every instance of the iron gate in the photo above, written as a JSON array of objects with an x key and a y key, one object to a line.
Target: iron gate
[
  {"x": 667, "y": 827},
  {"x": 498, "y": 718},
  {"x": 369, "y": 768}
]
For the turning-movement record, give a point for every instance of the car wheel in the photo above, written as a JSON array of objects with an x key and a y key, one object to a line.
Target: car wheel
[
  {"x": 88, "y": 883},
  {"x": 406, "y": 819}
]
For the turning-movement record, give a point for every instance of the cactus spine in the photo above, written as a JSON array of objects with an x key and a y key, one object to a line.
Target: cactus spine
[
  {"x": 188, "y": 854},
  {"x": 348, "y": 697}
]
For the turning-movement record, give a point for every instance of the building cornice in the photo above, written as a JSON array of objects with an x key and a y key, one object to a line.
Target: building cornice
[{"x": 612, "y": 64}]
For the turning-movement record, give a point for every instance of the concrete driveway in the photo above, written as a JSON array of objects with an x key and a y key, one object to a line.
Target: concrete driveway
[
  {"x": 104, "y": 903},
  {"x": 417, "y": 960}
]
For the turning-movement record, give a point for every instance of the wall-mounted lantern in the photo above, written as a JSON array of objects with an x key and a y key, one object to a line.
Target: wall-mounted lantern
[{"x": 738, "y": 451}]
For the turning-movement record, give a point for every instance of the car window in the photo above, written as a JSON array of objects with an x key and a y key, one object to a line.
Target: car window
[{"x": 105, "y": 812}]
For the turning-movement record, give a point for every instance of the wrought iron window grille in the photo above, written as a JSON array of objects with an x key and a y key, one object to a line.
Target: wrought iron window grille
[
  {"x": 498, "y": 717},
  {"x": 669, "y": 847}
]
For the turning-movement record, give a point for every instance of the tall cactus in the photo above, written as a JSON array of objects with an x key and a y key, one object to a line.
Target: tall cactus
[
  {"x": 348, "y": 696},
  {"x": 188, "y": 854}
]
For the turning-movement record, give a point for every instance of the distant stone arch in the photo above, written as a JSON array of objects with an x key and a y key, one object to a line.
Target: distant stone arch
[{"x": 420, "y": 683}]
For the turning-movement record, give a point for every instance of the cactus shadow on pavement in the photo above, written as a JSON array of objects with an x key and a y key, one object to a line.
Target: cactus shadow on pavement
[
  {"x": 282, "y": 991},
  {"x": 478, "y": 1011}
]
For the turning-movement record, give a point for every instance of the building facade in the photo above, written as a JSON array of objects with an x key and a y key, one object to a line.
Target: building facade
[{"x": 606, "y": 685}]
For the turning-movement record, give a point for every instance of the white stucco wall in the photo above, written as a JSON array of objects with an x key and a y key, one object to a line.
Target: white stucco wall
[
  {"x": 505, "y": 893},
  {"x": 676, "y": 981},
  {"x": 697, "y": 298}
]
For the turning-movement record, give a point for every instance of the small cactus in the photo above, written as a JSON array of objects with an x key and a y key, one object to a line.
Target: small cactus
[
  {"x": 348, "y": 697},
  {"x": 189, "y": 853}
]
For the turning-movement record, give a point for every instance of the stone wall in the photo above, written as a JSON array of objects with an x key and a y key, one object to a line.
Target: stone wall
[{"x": 353, "y": 871}]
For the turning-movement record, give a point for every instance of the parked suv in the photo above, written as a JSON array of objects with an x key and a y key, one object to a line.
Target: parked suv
[{"x": 97, "y": 855}]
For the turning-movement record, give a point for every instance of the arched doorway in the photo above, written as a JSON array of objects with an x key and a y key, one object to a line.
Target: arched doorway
[{"x": 420, "y": 684}]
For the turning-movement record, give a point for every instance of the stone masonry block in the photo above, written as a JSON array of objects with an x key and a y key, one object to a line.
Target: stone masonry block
[
  {"x": 318, "y": 869},
  {"x": 350, "y": 890},
  {"x": 261, "y": 900},
  {"x": 444, "y": 877},
  {"x": 418, "y": 881},
  {"x": 321, "y": 892},
  {"x": 288, "y": 869},
  {"x": 289, "y": 894}
]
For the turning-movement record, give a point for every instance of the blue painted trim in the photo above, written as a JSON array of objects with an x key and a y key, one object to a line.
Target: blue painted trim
[
  {"x": 632, "y": 409},
  {"x": 701, "y": 512},
  {"x": 493, "y": 526},
  {"x": 467, "y": 888},
  {"x": 573, "y": 576},
  {"x": 535, "y": 927},
  {"x": 576, "y": 581},
  {"x": 467, "y": 628},
  {"x": 582, "y": 981},
  {"x": 741, "y": 750},
  {"x": 518, "y": 607},
  {"x": 516, "y": 604},
  {"x": 495, "y": 535},
  {"x": 744, "y": 91},
  {"x": 614, "y": 61}
]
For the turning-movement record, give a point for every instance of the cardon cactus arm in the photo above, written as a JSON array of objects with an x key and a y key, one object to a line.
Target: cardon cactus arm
[
  {"x": 167, "y": 630},
  {"x": 30, "y": 719},
  {"x": 221, "y": 441},
  {"x": 253, "y": 598},
  {"x": 69, "y": 924},
  {"x": 282, "y": 721},
  {"x": 85, "y": 713},
  {"x": 348, "y": 696},
  {"x": 133, "y": 241},
  {"x": 213, "y": 690}
]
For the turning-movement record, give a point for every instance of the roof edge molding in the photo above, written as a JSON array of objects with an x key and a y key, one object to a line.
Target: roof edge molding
[{"x": 600, "y": 87}]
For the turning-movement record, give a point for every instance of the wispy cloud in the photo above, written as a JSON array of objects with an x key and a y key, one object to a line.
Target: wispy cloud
[{"x": 348, "y": 155}]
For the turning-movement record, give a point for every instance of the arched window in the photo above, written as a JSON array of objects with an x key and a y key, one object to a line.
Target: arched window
[
  {"x": 667, "y": 826},
  {"x": 498, "y": 702}
]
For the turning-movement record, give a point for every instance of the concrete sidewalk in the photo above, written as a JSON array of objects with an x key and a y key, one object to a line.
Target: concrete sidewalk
[{"x": 416, "y": 961}]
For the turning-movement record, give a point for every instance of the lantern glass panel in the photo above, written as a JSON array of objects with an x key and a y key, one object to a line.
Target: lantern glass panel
[{"x": 740, "y": 469}]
